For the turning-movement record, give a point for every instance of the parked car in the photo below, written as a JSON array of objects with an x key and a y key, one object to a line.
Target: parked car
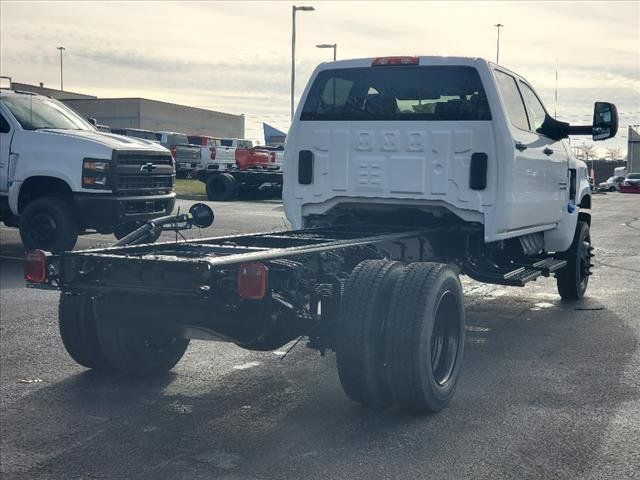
[
  {"x": 611, "y": 184},
  {"x": 225, "y": 158},
  {"x": 631, "y": 183},
  {"x": 186, "y": 156},
  {"x": 276, "y": 155},
  {"x": 136, "y": 133},
  {"x": 208, "y": 150},
  {"x": 59, "y": 177}
]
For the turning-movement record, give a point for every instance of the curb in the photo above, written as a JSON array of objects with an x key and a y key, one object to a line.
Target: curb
[{"x": 191, "y": 197}]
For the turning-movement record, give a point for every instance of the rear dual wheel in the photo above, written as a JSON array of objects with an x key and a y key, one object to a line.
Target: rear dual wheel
[
  {"x": 221, "y": 187},
  {"x": 401, "y": 335},
  {"x": 104, "y": 345}
]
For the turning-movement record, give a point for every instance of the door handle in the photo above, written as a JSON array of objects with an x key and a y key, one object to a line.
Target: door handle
[
  {"x": 547, "y": 151},
  {"x": 521, "y": 146}
]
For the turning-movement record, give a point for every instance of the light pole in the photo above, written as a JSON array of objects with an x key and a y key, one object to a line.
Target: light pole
[
  {"x": 61, "y": 50},
  {"x": 294, "y": 9},
  {"x": 330, "y": 45},
  {"x": 498, "y": 26}
]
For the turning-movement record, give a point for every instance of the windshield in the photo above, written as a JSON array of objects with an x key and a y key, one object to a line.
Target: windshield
[
  {"x": 397, "y": 93},
  {"x": 34, "y": 112},
  {"x": 633, "y": 176}
]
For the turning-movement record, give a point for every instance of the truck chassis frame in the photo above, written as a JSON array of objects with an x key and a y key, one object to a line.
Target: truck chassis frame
[{"x": 193, "y": 288}]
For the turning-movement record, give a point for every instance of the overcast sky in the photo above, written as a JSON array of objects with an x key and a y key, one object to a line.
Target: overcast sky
[{"x": 235, "y": 56}]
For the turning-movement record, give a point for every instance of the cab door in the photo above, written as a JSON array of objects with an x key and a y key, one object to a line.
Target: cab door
[
  {"x": 552, "y": 154},
  {"x": 534, "y": 189}
]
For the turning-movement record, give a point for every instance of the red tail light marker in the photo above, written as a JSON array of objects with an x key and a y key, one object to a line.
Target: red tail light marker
[
  {"x": 35, "y": 266},
  {"x": 252, "y": 281}
]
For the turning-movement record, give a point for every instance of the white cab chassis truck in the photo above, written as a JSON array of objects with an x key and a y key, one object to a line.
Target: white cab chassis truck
[
  {"x": 59, "y": 177},
  {"x": 401, "y": 173}
]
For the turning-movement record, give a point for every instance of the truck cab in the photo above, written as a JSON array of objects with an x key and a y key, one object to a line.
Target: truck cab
[
  {"x": 444, "y": 138},
  {"x": 60, "y": 177}
]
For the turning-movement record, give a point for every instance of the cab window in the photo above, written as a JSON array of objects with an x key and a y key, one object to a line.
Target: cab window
[
  {"x": 512, "y": 99},
  {"x": 423, "y": 93},
  {"x": 536, "y": 110},
  {"x": 4, "y": 125}
]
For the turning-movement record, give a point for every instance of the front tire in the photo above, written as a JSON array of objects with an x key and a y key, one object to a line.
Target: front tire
[
  {"x": 221, "y": 187},
  {"x": 47, "y": 223},
  {"x": 573, "y": 278},
  {"x": 425, "y": 337},
  {"x": 77, "y": 324}
]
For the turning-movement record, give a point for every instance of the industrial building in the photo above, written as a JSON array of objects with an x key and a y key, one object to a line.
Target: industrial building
[{"x": 146, "y": 114}]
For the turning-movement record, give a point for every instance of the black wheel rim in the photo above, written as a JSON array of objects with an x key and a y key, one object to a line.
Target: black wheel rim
[
  {"x": 584, "y": 263},
  {"x": 43, "y": 230},
  {"x": 445, "y": 338}
]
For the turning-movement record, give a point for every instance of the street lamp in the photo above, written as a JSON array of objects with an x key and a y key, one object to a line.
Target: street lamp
[
  {"x": 294, "y": 9},
  {"x": 498, "y": 25},
  {"x": 330, "y": 45},
  {"x": 61, "y": 50}
]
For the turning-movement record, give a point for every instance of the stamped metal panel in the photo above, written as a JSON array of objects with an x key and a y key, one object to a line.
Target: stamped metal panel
[{"x": 401, "y": 160}]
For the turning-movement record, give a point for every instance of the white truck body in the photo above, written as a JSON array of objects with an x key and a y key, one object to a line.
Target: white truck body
[
  {"x": 225, "y": 158},
  {"x": 426, "y": 164},
  {"x": 36, "y": 161}
]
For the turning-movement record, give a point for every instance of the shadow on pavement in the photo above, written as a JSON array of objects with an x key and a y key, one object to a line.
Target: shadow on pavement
[{"x": 539, "y": 390}]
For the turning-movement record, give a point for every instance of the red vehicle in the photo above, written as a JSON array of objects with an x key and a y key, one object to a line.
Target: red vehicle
[{"x": 248, "y": 158}]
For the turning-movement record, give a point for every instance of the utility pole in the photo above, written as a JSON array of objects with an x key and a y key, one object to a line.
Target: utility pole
[
  {"x": 294, "y": 9},
  {"x": 330, "y": 45},
  {"x": 498, "y": 26},
  {"x": 61, "y": 50}
]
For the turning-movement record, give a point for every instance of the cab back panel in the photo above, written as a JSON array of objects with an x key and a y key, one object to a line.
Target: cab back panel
[
  {"x": 392, "y": 132},
  {"x": 402, "y": 160}
]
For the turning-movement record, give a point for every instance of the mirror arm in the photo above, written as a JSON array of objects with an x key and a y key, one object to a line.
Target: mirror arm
[
  {"x": 580, "y": 130},
  {"x": 554, "y": 129}
]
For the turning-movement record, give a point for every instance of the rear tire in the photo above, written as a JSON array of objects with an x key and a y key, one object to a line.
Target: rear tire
[
  {"x": 573, "y": 278},
  {"x": 77, "y": 324},
  {"x": 47, "y": 223},
  {"x": 360, "y": 332},
  {"x": 222, "y": 187},
  {"x": 134, "y": 351},
  {"x": 425, "y": 337}
]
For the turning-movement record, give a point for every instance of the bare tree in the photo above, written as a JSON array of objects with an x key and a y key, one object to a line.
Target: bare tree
[
  {"x": 588, "y": 152},
  {"x": 614, "y": 153}
]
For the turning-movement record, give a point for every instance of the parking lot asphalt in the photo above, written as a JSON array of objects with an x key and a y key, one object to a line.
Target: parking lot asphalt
[{"x": 549, "y": 389}]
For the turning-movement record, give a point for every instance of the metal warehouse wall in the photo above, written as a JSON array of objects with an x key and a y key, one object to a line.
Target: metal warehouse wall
[{"x": 159, "y": 116}]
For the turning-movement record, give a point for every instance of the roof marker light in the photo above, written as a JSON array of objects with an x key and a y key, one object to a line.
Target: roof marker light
[{"x": 380, "y": 61}]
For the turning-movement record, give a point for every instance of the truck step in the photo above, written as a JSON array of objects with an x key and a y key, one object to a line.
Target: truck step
[
  {"x": 549, "y": 265},
  {"x": 516, "y": 277}
]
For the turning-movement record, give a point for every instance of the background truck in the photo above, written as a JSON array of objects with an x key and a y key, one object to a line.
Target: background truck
[
  {"x": 254, "y": 169},
  {"x": 401, "y": 173},
  {"x": 186, "y": 156},
  {"x": 59, "y": 177}
]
